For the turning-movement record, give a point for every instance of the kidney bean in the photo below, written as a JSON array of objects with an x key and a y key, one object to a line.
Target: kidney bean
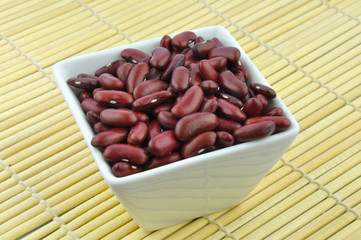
[
  {"x": 224, "y": 139},
  {"x": 143, "y": 117},
  {"x": 180, "y": 79},
  {"x": 101, "y": 127},
  {"x": 122, "y": 169},
  {"x": 154, "y": 74},
  {"x": 92, "y": 117},
  {"x": 161, "y": 161},
  {"x": 231, "y": 53},
  {"x": 110, "y": 68},
  {"x": 195, "y": 123},
  {"x": 125, "y": 152},
  {"x": 196, "y": 78},
  {"x": 227, "y": 125},
  {"x": 86, "y": 75},
  {"x": 198, "y": 144},
  {"x": 113, "y": 98},
  {"x": 163, "y": 143},
  {"x": 111, "y": 136},
  {"x": 263, "y": 100},
  {"x": 253, "y": 107},
  {"x": 209, "y": 105},
  {"x": 199, "y": 39},
  {"x": 207, "y": 71},
  {"x": 84, "y": 94},
  {"x": 123, "y": 71},
  {"x": 282, "y": 123},
  {"x": 240, "y": 77},
  {"x": 232, "y": 85},
  {"x": 151, "y": 100},
  {"x": 231, "y": 111},
  {"x": 190, "y": 103},
  {"x": 275, "y": 111},
  {"x": 160, "y": 58},
  {"x": 201, "y": 49},
  {"x": 133, "y": 55},
  {"x": 183, "y": 39},
  {"x": 217, "y": 41},
  {"x": 137, "y": 75},
  {"x": 219, "y": 63},
  {"x": 254, "y": 131},
  {"x": 209, "y": 86},
  {"x": 154, "y": 128},
  {"x": 176, "y": 61},
  {"x": 137, "y": 133},
  {"x": 166, "y": 42},
  {"x": 149, "y": 86},
  {"x": 166, "y": 106},
  {"x": 89, "y": 104},
  {"x": 83, "y": 83},
  {"x": 121, "y": 117},
  {"x": 108, "y": 81},
  {"x": 167, "y": 120},
  {"x": 263, "y": 89},
  {"x": 232, "y": 99}
]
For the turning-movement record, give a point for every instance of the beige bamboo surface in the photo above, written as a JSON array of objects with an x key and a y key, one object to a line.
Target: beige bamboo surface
[{"x": 308, "y": 50}]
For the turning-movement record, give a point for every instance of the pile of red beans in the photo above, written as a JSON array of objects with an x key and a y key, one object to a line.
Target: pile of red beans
[{"x": 190, "y": 96}]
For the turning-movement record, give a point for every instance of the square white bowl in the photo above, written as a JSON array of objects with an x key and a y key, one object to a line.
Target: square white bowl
[{"x": 192, "y": 187}]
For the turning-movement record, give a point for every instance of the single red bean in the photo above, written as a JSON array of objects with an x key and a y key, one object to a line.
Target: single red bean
[
  {"x": 167, "y": 120},
  {"x": 195, "y": 123},
  {"x": 137, "y": 133},
  {"x": 190, "y": 58},
  {"x": 282, "y": 123},
  {"x": 114, "y": 98},
  {"x": 163, "y": 143},
  {"x": 180, "y": 79},
  {"x": 176, "y": 61},
  {"x": 160, "y": 58},
  {"x": 154, "y": 128},
  {"x": 275, "y": 111},
  {"x": 133, "y": 55},
  {"x": 207, "y": 71},
  {"x": 217, "y": 41},
  {"x": 110, "y": 68},
  {"x": 219, "y": 63},
  {"x": 231, "y": 111},
  {"x": 232, "y": 85},
  {"x": 263, "y": 89},
  {"x": 209, "y": 105},
  {"x": 109, "y": 81},
  {"x": 111, "y": 136},
  {"x": 231, "y": 53},
  {"x": 224, "y": 139},
  {"x": 253, "y": 107},
  {"x": 201, "y": 49},
  {"x": 198, "y": 144},
  {"x": 121, "y": 117},
  {"x": 199, "y": 39},
  {"x": 137, "y": 75},
  {"x": 227, "y": 125},
  {"x": 196, "y": 78},
  {"x": 149, "y": 86},
  {"x": 182, "y": 40},
  {"x": 89, "y": 104},
  {"x": 84, "y": 94},
  {"x": 83, "y": 83},
  {"x": 240, "y": 77},
  {"x": 123, "y": 71},
  {"x": 209, "y": 86},
  {"x": 190, "y": 103},
  {"x": 166, "y": 106},
  {"x": 125, "y": 152},
  {"x": 101, "y": 127},
  {"x": 161, "y": 161},
  {"x": 154, "y": 74},
  {"x": 254, "y": 131},
  {"x": 232, "y": 99},
  {"x": 263, "y": 100},
  {"x": 151, "y": 100},
  {"x": 97, "y": 89},
  {"x": 166, "y": 42},
  {"x": 86, "y": 75},
  {"x": 123, "y": 169},
  {"x": 92, "y": 117},
  {"x": 143, "y": 117}
]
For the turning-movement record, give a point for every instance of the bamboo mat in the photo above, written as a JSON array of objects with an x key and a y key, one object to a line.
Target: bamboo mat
[{"x": 310, "y": 53}]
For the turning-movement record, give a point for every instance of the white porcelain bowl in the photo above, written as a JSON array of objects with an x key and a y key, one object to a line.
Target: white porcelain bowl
[{"x": 192, "y": 187}]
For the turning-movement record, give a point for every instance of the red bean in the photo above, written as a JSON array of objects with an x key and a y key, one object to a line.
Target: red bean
[
  {"x": 224, "y": 139},
  {"x": 190, "y": 58},
  {"x": 122, "y": 169},
  {"x": 114, "y": 98},
  {"x": 209, "y": 86},
  {"x": 110, "y": 68},
  {"x": 196, "y": 78},
  {"x": 161, "y": 161},
  {"x": 209, "y": 105},
  {"x": 137, "y": 133},
  {"x": 84, "y": 94},
  {"x": 201, "y": 49},
  {"x": 219, "y": 63},
  {"x": 166, "y": 106},
  {"x": 151, "y": 100},
  {"x": 232, "y": 99},
  {"x": 231, "y": 53},
  {"x": 231, "y": 111},
  {"x": 232, "y": 85},
  {"x": 121, "y": 117},
  {"x": 137, "y": 75},
  {"x": 92, "y": 117},
  {"x": 183, "y": 39},
  {"x": 227, "y": 125},
  {"x": 83, "y": 83},
  {"x": 125, "y": 152},
  {"x": 180, "y": 79},
  {"x": 190, "y": 103},
  {"x": 166, "y": 42},
  {"x": 143, "y": 117},
  {"x": 207, "y": 71},
  {"x": 253, "y": 107},
  {"x": 217, "y": 41},
  {"x": 89, "y": 104},
  {"x": 275, "y": 111},
  {"x": 198, "y": 144},
  {"x": 160, "y": 57},
  {"x": 176, "y": 61},
  {"x": 101, "y": 127},
  {"x": 254, "y": 131},
  {"x": 123, "y": 71},
  {"x": 149, "y": 86},
  {"x": 108, "y": 81},
  {"x": 195, "y": 123},
  {"x": 167, "y": 120},
  {"x": 163, "y": 143},
  {"x": 133, "y": 55},
  {"x": 154, "y": 128},
  {"x": 111, "y": 136},
  {"x": 263, "y": 100},
  {"x": 282, "y": 123},
  {"x": 263, "y": 89}
]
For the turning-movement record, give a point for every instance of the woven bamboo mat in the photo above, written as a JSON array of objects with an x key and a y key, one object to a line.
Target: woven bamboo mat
[{"x": 310, "y": 53}]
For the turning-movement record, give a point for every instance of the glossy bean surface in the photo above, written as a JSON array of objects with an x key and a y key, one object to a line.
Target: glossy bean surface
[
  {"x": 198, "y": 144},
  {"x": 125, "y": 152}
]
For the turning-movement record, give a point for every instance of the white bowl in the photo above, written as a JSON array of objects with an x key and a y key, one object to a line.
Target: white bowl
[{"x": 192, "y": 187}]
